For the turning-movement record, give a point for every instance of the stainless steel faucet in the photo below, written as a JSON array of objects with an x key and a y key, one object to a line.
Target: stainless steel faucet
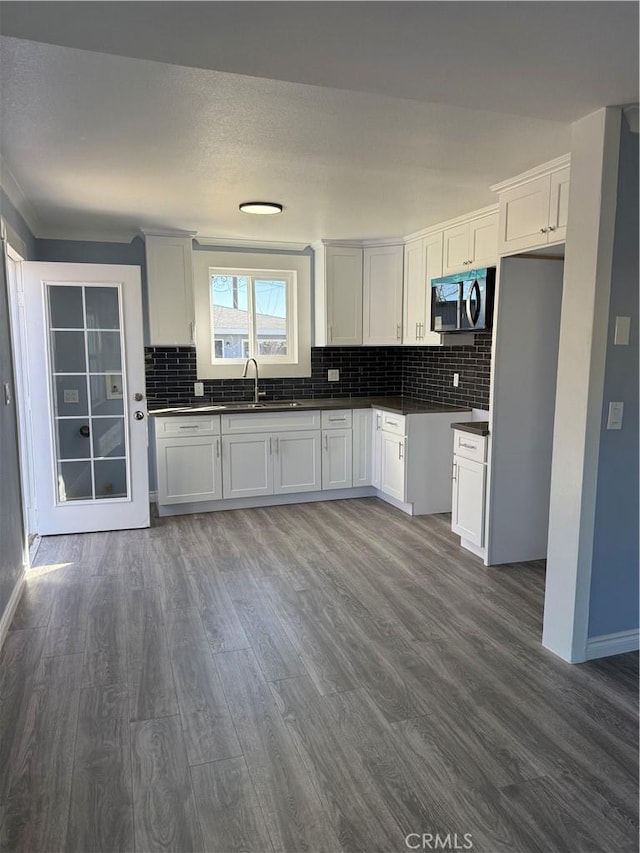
[{"x": 244, "y": 376}]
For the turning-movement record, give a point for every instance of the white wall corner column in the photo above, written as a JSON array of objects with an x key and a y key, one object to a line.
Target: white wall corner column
[{"x": 581, "y": 365}]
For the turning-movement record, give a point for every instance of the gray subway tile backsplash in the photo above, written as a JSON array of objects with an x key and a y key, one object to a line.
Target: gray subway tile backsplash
[{"x": 422, "y": 372}]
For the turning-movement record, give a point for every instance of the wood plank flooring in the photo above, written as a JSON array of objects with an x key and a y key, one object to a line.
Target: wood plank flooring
[{"x": 322, "y": 677}]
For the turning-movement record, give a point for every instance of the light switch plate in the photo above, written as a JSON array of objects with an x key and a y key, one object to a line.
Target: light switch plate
[
  {"x": 198, "y": 389},
  {"x": 623, "y": 329},
  {"x": 614, "y": 419},
  {"x": 333, "y": 375},
  {"x": 71, "y": 395}
]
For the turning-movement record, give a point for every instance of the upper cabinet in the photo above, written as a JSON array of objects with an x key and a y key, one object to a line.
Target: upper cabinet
[
  {"x": 170, "y": 289},
  {"x": 534, "y": 207},
  {"x": 422, "y": 262},
  {"x": 382, "y": 295},
  {"x": 471, "y": 244},
  {"x": 338, "y": 295}
]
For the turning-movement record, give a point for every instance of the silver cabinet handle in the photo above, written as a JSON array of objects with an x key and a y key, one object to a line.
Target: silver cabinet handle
[
  {"x": 192, "y": 331},
  {"x": 326, "y": 442},
  {"x": 337, "y": 420},
  {"x": 391, "y": 423},
  {"x": 330, "y": 332},
  {"x": 455, "y": 470},
  {"x": 277, "y": 445},
  {"x": 468, "y": 446},
  {"x": 195, "y": 426},
  {"x": 217, "y": 448},
  {"x": 400, "y": 450},
  {"x": 378, "y": 422},
  {"x": 399, "y": 332},
  {"x": 270, "y": 446}
]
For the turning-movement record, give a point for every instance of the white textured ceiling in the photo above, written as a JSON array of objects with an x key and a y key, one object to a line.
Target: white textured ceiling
[{"x": 102, "y": 144}]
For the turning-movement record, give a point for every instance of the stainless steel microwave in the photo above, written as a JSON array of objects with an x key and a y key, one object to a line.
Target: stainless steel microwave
[{"x": 463, "y": 302}]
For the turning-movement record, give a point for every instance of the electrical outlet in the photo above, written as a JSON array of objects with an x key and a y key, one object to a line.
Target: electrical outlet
[
  {"x": 198, "y": 389},
  {"x": 333, "y": 375},
  {"x": 456, "y": 380},
  {"x": 71, "y": 395}
]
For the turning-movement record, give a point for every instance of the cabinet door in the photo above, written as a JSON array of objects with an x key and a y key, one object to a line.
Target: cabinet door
[
  {"x": 247, "y": 465},
  {"x": 362, "y": 447},
  {"x": 467, "y": 510},
  {"x": 382, "y": 295},
  {"x": 483, "y": 241},
  {"x": 432, "y": 269},
  {"x": 559, "y": 205},
  {"x": 297, "y": 464},
  {"x": 524, "y": 216},
  {"x": 189, "y": 469},
  {"x": 415, "y": 293},
  {"x": 456, "y": 249},
  {"x": 344, "y": 295},
  {"x": 170, "y": 290},
  {"x": 392, "y": 465},
  {"x": 337, "y": 459}
]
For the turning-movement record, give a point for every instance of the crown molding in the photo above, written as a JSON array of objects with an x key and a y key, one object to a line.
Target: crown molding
[
  {"x": 18, "y": 198},
  {"x": 537, "y": 172},
  {"x": 235, "y": 243},
  {"x": 165, "y": 232},
  {"x": 451, "y": 223}
]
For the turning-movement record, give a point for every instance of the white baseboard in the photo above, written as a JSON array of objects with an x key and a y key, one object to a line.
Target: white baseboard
[
  {"x": 12, "y": 606},
  {"x": 613, "y": 644}
]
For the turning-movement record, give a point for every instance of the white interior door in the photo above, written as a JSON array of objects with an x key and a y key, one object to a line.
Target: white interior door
[{"x": 87, "y": 403}]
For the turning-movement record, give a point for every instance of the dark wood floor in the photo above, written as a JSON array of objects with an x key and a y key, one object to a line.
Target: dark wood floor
[{"x": 323, "y": 677}]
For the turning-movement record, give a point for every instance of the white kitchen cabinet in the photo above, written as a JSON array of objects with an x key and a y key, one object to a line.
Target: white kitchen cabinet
[
  {"x": 422, "y": 262},
  {"x": 533, "y": 209},
  {"x": 247, "y": 465},
  {"x": 297, "y": 462},
  {"x": 337, "y": 459},
  {"x": 382, "y": 295},
  {"x": 170, "y": 290},
  {"x": 338, "y": 295},
  {"x": 362, "y": 447},
  {"x": 471, "y": 244},
  {"x": 469, "y": 484},
  {"x": 468, "y": 500},
  {"x": 188, "y": 462},
  {"x": 392, "y": 465}
]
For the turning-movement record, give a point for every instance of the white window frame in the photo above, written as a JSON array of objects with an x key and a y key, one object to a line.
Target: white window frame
[{"x": 297, "y": 363}]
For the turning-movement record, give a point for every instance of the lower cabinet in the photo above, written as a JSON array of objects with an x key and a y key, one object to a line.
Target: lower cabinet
[
  {"x": 392, "y": 465},
  {"x": 362, "y": 447},
  {"x": 337, "y": 459},
  {"x": 189, "y": 469},
  {"x": 271, "y": 464},
  {"x": 467, "y": 507},
  {"x": 468, "y": 493}
]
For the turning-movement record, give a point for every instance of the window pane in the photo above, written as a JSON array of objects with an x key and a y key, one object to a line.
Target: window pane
[
  {"x": 68, "y": 352},
  {"x": 111, "y": 478},
  {"x": 74, "y": 481},
  {"x": 229, "y": 303},
  {"x": 104, "y": 352},
  {"x": 108, "y": 437},
  {"x": 102, "y": 308},
  {"x": 271, "y": 316},
  {"x": 65, "y": 307},
  {"x": 73, "y": 439},
  {"x": 106, "y": 394}
]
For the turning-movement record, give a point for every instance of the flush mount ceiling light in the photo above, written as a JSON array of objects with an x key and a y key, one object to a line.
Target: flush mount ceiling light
[{"x": 261, "y": 208}]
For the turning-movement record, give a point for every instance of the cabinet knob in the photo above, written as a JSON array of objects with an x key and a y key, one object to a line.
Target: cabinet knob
[
  {"x": 552, "y": 228},
  {"x": 543, "y": 230}
]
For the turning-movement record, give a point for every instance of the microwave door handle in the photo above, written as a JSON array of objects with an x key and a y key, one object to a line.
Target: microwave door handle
[{"x": 472, "y": 316}]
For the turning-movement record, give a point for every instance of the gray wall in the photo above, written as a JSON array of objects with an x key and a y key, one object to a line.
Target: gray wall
[
  {"x": 11, "y": 521},
  {"x": 15, "y": 221},
  {"x": 614, "y": 578}
]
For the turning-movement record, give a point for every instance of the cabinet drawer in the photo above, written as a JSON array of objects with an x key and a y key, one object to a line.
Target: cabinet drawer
[
  {"x": 469, "y": 446},
  {"x": 270, "y": 422},
  {"x": 184, "y": 427},
  {"x": 393, "y": 423},
  {"x": 339, "y": 419}
]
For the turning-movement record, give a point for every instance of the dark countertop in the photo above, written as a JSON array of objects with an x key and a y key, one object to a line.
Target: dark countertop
[
  {"x": 476, "y": 427},
  {"x": 399, "y": 405}
]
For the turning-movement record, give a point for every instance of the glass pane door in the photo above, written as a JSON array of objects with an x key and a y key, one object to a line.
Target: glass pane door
[{"x": 88, "y": 393}]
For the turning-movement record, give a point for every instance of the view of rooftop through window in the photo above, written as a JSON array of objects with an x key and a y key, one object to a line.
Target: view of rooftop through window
[{"x": 249, "y": 315}]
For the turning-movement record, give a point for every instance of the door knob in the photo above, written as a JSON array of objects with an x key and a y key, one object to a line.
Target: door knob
[
  {"x": 139, "y": 416},
  {"x": 84, "y": 431}
]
